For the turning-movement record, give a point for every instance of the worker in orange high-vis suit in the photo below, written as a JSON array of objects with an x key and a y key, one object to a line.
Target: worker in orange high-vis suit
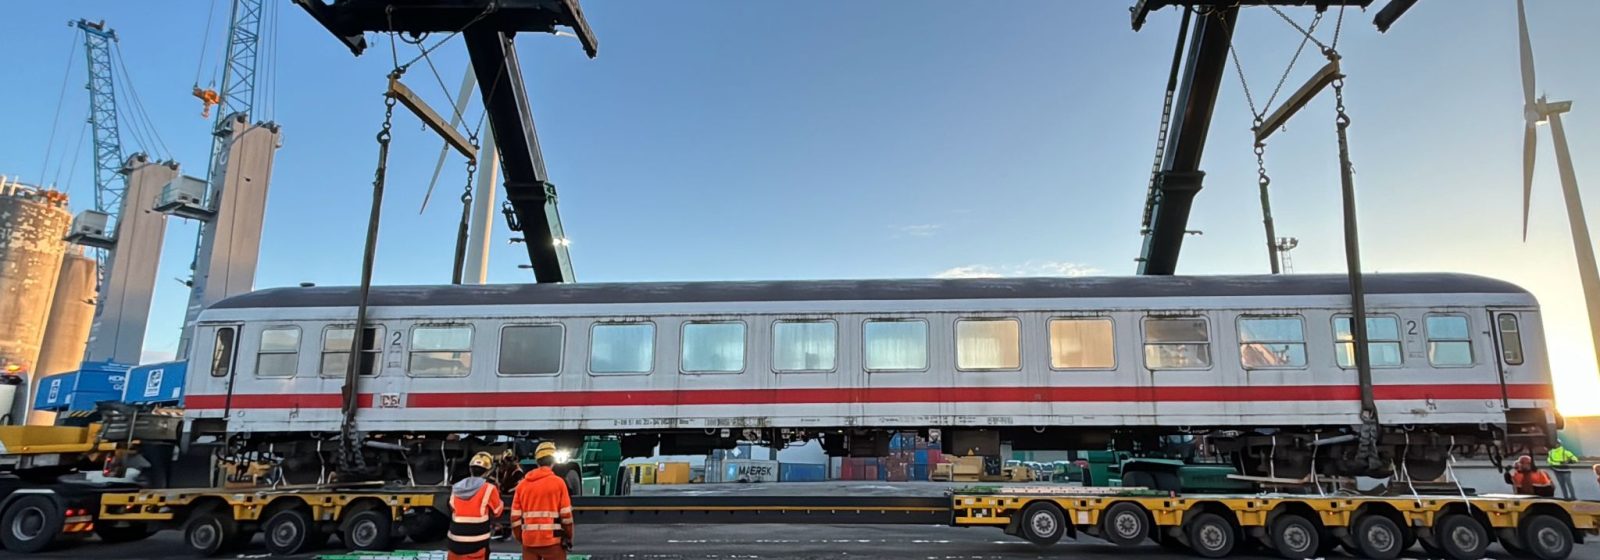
[
  {"x": 474, "y": 504},
  {"x": 541, "y": 511}
]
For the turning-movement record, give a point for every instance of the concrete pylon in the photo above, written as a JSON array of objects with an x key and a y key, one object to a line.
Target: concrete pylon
[
  {"x": 130, "y": 276},
  {"x": 230, "y": 242},
  {"x": 71, "y": 314}
]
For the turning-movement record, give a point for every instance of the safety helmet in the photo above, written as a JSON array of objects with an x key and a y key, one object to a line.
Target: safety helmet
[
  {"x": 545, "y": 449},
  {"x": 483, "y": 460}
]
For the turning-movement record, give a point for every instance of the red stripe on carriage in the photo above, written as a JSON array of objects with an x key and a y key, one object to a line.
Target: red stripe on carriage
[{"x": 889, "y": 395}]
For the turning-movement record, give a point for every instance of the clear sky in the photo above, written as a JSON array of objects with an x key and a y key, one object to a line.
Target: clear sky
[{"x": 739, "y": 140}]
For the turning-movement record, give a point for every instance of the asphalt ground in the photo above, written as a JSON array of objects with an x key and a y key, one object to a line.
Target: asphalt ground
[{"x": 758, "y": 542}]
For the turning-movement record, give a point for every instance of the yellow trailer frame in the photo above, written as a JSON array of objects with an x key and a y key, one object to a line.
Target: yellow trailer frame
[
  {"x": 294, "y": 519},
  {"x": 1132, "y": 518}
]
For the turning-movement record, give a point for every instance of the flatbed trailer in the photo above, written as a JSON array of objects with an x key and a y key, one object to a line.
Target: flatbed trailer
[
  {"x": 1294, "y": 525},
  {"x": 294, "y": 520}
]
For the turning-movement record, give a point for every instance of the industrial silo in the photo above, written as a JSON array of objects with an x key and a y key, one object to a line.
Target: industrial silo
[
  {"x": 33, "y": 223},
  {"x": 66, "y": 333}
]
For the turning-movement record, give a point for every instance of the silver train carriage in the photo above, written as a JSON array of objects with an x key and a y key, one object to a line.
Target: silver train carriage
[{"x": 1256, "y": 368}]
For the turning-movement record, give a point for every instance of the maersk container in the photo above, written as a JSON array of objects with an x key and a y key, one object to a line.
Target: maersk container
[
  {"x": 747, "y": 470},
  {"x": 160, "y": 383},
  {"x": 802, "y": 472}
]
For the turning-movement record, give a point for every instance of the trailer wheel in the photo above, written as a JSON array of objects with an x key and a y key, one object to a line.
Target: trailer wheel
[
  {"x": 1462, "y": 537},
  {"x": 1546, "y": 537},
  {"x": 1295, "y": 537},
  {"x": 1211, "y": 536},
  {"x": 370, "y": 529},
  {"x": 1125, "y": 524},
  {"x": 30, "y": 524},
  {"x": 288, "y": 532},
  {"x": 574, "y": 480},
  {"x": 209, "y": 531},
  {"x": 132, "y": 531},
  {"x": 1042, "y": 523},
  {"x": 1377, "y": 537}
]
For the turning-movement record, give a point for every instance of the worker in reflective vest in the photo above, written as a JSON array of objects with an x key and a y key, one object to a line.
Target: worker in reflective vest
[
  {"x": 1561, "y": 462},
  {"x": 474, "y": 503},
  {"x": 541, "y": 511},
  {"x": 1527, "y": 479}
]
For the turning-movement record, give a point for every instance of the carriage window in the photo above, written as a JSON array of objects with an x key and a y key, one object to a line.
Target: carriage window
[
  {"x": 988, "y": 344},
  {"x": 1082, "y": 344},
  {"x": 804, "y": 346},
  {"x": 1272, "y": 342},
  {"x": 1383, "y": 341},
  {"x": 279, "y": 352},
  {"x": 712, "y": 347},
  {"x": 1176, "y": 343},
  {"x": 1510, "y": 339},
  {"x": 895, "y": 344},
  {"x": 336, "y": 350},
  {"x": 1449, "y": 341},
  {"x": 622, "y": 348},
  {"x": 441, "y": 351},
  {"x": 222, "y": 353},
  {"x": 530, "y": 349}
]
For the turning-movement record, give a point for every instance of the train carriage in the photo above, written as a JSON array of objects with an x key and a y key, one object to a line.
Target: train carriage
[{"x": 1261, "y": 365}]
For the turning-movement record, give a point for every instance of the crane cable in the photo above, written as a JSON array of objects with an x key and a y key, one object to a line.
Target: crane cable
[
  {"x": 205, "y": 43},
  {"x": 55, "y": 122},
  {"x": 143, "y": 117}
]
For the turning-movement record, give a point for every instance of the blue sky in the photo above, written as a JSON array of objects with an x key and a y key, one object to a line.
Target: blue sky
[{"x": 734, "y": 140}]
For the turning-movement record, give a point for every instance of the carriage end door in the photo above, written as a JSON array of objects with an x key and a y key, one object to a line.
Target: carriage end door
[{"x": 220, "y": 350}]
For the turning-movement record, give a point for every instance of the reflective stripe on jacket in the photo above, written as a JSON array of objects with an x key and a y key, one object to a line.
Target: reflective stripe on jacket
[
  {"x": 541, "y": 510},
  {"x": 471, "y": 513}
]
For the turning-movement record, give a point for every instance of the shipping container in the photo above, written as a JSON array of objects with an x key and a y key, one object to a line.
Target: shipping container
[
  {"x": 920, "y": 472},
  {"x": 642, "y": 473},
  {"x": 160, "y": 383},
  {"x": 802, "y": 472},
  {"x": 672, "y": 473},
  {"x": 746, "y": 470}
]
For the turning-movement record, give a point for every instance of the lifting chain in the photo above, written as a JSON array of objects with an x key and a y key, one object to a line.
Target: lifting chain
[
  {"x": 1262, "y": 182},
  {"x": 466, "y": 214},
  {"x": 351, "y": 460}
]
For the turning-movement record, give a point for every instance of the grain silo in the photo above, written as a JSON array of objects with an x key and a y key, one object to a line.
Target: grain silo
[
  {"x": 66, "y": 333},
  {"x": 33, "y": 223}
]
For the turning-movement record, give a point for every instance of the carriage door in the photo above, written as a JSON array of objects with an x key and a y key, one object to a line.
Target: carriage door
[
  {"x": 221, "y": 349},
  {"x": 1507, "y": 334}
]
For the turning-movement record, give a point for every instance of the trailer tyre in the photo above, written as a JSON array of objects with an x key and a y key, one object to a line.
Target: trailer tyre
[
  {"x": 371, "y": 529},
  {"x": 1296, "y": 537},
  {"x": 1546, "y": 537},
  {"x": 30, "y": 524},
  {"x": 574, "y": 480},
  {"x": 1378, "y": 537},
  {"x": 209, "y": 532},
  {"x": 288, "y": 532},
  {"x": 1125, "y": 524},
  {"x": 1042, "y": 523},
  {"x": 1211, "y": 536},
  {"x": 1462, "y": 538}
]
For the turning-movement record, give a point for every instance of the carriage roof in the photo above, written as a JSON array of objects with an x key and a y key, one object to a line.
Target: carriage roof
[{"x": 870, "y": 290}]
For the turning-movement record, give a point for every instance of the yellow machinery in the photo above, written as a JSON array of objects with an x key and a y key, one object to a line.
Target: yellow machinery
[{"x": 24, "y": 448}]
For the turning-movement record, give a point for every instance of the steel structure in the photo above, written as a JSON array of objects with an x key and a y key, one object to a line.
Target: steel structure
[
  {"x": 489, "y": 29},
  {"x": 238, "y": 79},
  {"x": 1199, "y": 64},
  {"x": 108, "y": 180}
]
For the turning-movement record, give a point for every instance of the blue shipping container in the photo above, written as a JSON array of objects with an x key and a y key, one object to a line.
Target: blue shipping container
[
  {"x": 802, "y": 472},
  {"x": 80, "y": 390},
  {"x": 919, "y": 472},
  {"x": 160, "y": 383},
  {"x": 921, "y": 456}
]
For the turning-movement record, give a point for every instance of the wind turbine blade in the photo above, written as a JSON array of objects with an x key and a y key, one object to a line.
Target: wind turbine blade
[
  {"x": 467, "y": 83},
  {"x": 1527, "y": 56},
  {"x": 1529, "y": 148}
]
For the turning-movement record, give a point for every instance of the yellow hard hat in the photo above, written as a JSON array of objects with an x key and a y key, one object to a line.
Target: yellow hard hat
[
  {"x": 483, "y": 460},
  {"x": 545, "y": 449}
]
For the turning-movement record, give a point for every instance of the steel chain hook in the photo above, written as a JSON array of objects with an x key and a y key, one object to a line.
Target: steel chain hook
[{"x": 1261, "y": 163}]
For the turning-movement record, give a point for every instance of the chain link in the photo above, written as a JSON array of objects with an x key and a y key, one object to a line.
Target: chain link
[
  {"x": 1261, "y": 163},
  {"x": 472, "y": 169}
]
